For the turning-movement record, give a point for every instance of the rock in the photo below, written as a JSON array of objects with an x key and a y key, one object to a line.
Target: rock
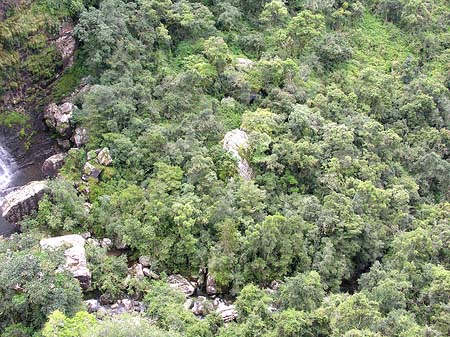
[
  {"x": 147, "y": 272},
  {"x": 106, "y": 307},
  {"x": 101, "y": 312},
  {"x": 106, "y": 243},
  {"x": 65, "y": 43},
  {"x": 75, "y": 256},
  {"x": 198, "y": 308},
  {"x": 92, "y": 305},
  {"x": 210, "y": 286},
  {"x": 178, "y": 282},
  {"x": 105, "y": 299},
  {"x": 58, "y": 117},
  {"x": 227, "y": 312},
  {"x": 51, "y": 165},
  {"x": 275, "y": 285},
  {"x": 188, "y": 304},
  {"x": 145, "y": 261},
  {"x": 128, "y": 304},
  {"x": 243, "y": 64},
  {"x": 104, "y": 158},
  {"x": 86, "y": 235},
  {"x": 90, "y": 171},
  {"x": 136, "y": 270},
  {"x": 87, "y": 207},
  {"x": 93, "y": 242},
  {"x": 234, "y": 141},
  {"x": 201, "y": 306},
  {"x": 80, "y": 137},
  {"x": 64, "y": 144},
  {"x": 22, "y": 201}
]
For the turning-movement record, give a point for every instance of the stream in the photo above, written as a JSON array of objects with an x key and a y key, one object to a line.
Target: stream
[{"x": 11, "y": 177}]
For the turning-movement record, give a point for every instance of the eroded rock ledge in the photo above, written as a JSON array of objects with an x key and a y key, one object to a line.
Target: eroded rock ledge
[{"x": 22, "y": 201}]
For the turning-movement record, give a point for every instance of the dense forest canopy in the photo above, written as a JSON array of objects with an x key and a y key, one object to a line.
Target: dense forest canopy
[{"x": 347, "y": 110}]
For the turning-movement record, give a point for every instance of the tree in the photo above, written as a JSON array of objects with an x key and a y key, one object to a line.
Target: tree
[
  {"x": 303, "y": 28},
  {"x": 252, "y": 301},
  {"x": 275, "y": 14},
  {"x": 303, "y": 292},
  {"x": 128, "y": 325},
  {"x": 31, "y": 286},
  {"x": 355, "y": 312},
  {"x": 217, "y": 52},
  {"x": 59, "y": 325},
  {"x": 292, "y": 323}
]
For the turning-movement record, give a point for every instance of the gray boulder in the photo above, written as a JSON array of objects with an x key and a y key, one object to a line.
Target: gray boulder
[
  {"x": 226, "y": 311},
  {"x": 149, "y": 273},
  {"x": 24, "y": 200},
  {"x": 51, "y": 165},
  {"x": 210, "y": 286},
  {"x": 104, "y": 158},
  {"x": 145, "y": 261},
  {"x": 90, "y": 171},
  {"x": 75, "y": 256},
  {"x": 234, "y": 141},
  {"x": 80, "y": 136},
  {"x": 243, "y": 64},
  {"x": 57, "y": 117},
  {"x": 136, "y": 271},
  {"x": 178, "y": 282}
]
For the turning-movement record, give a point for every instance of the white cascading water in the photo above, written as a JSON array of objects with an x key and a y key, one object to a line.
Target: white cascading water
[{"x": 8, "y": 168}]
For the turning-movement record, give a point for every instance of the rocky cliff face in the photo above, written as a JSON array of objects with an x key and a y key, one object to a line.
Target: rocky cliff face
[{"x": 28, "y": 85}]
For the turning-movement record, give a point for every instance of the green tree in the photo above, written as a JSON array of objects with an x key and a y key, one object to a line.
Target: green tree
[
  {"x": 303, "y": 292},
  {"x": 58, "y": 325}
]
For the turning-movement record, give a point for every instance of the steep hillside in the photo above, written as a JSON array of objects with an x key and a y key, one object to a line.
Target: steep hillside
[{"x": 252, "y": 168}]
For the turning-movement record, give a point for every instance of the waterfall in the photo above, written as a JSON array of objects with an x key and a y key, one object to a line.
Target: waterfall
[{"x": 8, "y": 169}]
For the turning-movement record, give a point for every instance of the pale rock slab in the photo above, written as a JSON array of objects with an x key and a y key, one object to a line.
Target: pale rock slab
[
  {"x": 24, "y": 200},
  {"x": 75, "y": 256},
  {"x": 234, "y": 141}
]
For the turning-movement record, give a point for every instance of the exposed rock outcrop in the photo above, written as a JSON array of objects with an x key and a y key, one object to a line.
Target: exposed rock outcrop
[
  {"x": 66, "y": 43},
  {"x": 104, "y": 157},
  {"x": 145, "y": 261},
  {"x": 90, "y": 171},
  {"x": 235, "y": 141},
  {"x": 201, "y": 306},
  {"x": 51, "y": 165},
  {"x": 80, "y": 137},
  {"x": 22, "y": 201},
  {"x": 178, "y": 282},
  {"x": 243, "y": 64},
  {"x": 58, "y": 117},
  {"x": 137, "y": 271},
  {"x": 121, "y": 306},
  {"x": 210, "y": 286},
  {"x": 226, "y": 311},
  {"x": 75, "y": 256}
]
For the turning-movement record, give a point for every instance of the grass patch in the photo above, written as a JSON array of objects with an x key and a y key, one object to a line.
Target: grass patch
[
  {"x": 378, "y": 44},
  {"x": 14, "y": 118}
]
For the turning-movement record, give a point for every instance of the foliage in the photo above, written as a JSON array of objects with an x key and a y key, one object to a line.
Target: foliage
[
  {"x": 31, "y": 287},
  {"x": 347, "y": 111}
]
